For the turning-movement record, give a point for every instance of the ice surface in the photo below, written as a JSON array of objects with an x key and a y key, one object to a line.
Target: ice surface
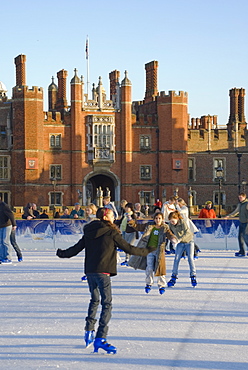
[{"x": 44, "y": 303}]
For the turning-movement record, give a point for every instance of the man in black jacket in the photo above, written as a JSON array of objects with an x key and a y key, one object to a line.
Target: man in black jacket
[
  {"x": 100, "y": 241},
  {"x": 7, "y": 222}
]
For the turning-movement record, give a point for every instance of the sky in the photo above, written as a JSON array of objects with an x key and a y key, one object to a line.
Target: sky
[{"x": 201, "y": 46}]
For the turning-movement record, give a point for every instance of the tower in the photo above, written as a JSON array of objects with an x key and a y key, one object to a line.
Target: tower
[{"x": 28, "y": 117}]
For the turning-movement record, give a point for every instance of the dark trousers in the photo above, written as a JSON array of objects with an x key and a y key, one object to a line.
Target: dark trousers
[
  {"x": 99, "y": 286},
  {"x": 14, "y": 244},
  {"x": 242, "y": 238}
]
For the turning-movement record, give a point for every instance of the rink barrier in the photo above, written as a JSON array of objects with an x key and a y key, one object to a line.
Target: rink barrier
[{"x": 217, "y": 234}]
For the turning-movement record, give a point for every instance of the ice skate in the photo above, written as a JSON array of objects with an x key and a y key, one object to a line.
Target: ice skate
[
  {"x": 193, "y": 281},
  {"x": 148, "y": 288},
  {"x": 172, "y": 281},
  {"x": 161, "y": 290},
  {"x": 103, "y": 344},
  {"x": 89, "y": 338}
]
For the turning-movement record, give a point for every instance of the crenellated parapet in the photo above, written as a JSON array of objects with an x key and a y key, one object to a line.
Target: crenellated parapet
[
  {"x": 52, "y": 117},
  {"x": 34, "y": 92}
]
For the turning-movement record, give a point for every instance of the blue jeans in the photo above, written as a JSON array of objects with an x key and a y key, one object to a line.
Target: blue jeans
[
  {"x": 99, "y": 285},
  {"x": 180, "y": 248},
  {"x": 14, "y": 244},
  {"x": 242, "y": 237},
  {"x": 5, "y": 246}
]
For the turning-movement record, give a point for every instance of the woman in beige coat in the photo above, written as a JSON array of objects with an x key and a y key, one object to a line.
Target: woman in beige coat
[{"x": 154, "y": 262}]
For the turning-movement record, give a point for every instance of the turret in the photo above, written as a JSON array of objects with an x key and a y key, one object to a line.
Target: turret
[{"x": 52, "y": 95}]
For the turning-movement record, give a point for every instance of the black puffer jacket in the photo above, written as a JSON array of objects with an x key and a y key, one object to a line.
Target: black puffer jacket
[{"x": 100, "y": 242}]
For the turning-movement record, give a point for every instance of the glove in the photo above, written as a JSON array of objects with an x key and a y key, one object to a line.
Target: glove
[
  {"x": 151, "y": 249},
  {"x": 59, "y": 253}
]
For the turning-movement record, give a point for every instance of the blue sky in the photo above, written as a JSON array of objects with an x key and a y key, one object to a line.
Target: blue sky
[{"x": 201, "y": 46}]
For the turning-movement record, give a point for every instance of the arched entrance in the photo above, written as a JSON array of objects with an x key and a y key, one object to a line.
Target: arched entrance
[{"x": 107, "y": 181}]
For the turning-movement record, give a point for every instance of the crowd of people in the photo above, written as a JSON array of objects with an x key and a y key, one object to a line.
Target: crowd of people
[{"x": 107, "y": 231}]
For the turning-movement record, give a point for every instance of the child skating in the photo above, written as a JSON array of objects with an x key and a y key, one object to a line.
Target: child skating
[
  {"x": 185, "y": 242},
  {"x": 154, "y": 263}
]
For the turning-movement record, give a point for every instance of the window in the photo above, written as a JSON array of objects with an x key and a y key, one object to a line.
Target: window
[
  {"x": 145, "y": 142},
  {"x": 101, "y": 138},
  {"x": 219, "y": 162},
  {"x": 145, "y": 172},
  {"x": 55, "y": 141},
  {"x": 220, "y": 197},
  {"x": 56, "y": 171},
  {"x": 4, "y": 167},
  {"x": 5, "y": 196},
  {"x": 191, "y": 169},
  {"x": 56, "y": 198}
]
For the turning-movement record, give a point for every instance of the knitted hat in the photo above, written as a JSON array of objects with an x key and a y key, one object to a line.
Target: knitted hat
[{"x": 208, "y": 202}]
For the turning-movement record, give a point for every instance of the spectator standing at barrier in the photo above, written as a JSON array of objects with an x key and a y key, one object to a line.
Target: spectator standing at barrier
[
  {"x": 110, "y": 205},
  {"x": 77, "y": 212},
  {"x": 242, "y": 211},
  {"x": 100, "y": 240},
  {"x": 66, "y": 213},
  {"x": 208, "y": 212},
  {"x": 56, "y": 214},
  {"x": 28, "y": 212},
  {"x": 36, "y": 213},
  {"x": 7, "y": 222},
  {"x": 44, "y": 214},
  {"x": 122, "y": 207},
  {"x": 137, "y": 209}
]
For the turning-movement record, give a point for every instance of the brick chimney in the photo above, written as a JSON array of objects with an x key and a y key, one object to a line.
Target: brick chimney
[
  {"x": 20, "y": 70},
  {"x": 151, "y": 80},
  {"x": 61, "y": 96}
]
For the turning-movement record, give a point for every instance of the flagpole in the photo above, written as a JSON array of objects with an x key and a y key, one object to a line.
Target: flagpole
[{"x": 88, "y": 65}]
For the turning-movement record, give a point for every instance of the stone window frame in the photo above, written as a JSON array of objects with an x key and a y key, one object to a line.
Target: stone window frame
[
  {"x": 143, "y": 171},
  {"x": 145, "y": 138},
  {"x": 55, "y": 140},
  {"x": 55, "y": 171},
  {"x": 5, "y": 170},
  {"x": 193, "y": 169}
]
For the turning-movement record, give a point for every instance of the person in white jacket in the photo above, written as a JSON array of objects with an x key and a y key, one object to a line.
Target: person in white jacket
[{"x": 181, "y": 207}]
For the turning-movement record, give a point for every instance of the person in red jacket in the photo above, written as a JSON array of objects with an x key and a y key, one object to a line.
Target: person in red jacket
[{"x": 208, "y": 211}]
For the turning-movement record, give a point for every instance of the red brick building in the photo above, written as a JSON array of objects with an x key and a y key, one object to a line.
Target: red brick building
[{"x": 139, "y": 151}]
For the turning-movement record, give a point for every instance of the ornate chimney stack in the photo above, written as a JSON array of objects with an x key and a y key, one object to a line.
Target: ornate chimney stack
[
  {"x": 151, "y": 80},
  {"x": 20, "y": 61}
]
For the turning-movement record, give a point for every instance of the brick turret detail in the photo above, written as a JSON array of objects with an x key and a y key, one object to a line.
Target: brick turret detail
[
  {"x": 151, "y": 80},
  {"x": 126, "y": 136},
  {"x": 52, "y": 95},
  {"x": 20, "y": 61}
]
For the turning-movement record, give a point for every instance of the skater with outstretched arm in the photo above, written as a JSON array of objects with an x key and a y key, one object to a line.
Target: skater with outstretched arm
[
  {"x": 100, "y": 241},
  {"x": 154, "y": 263},
  {"x": 185, "y": 238}
]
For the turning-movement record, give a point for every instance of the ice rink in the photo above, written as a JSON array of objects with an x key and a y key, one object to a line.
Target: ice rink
[{"x": 44, "y": 303}]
